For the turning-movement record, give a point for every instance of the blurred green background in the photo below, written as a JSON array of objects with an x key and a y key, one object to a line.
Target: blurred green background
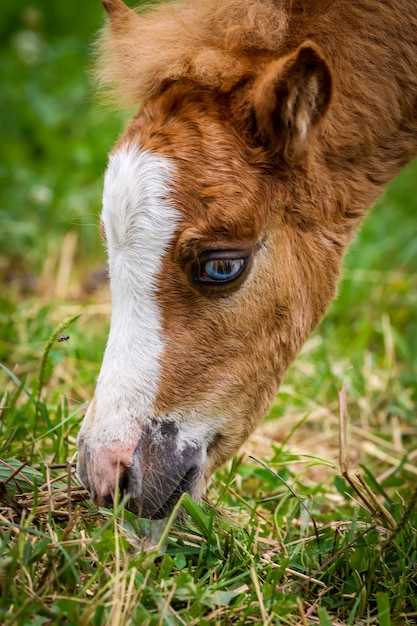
[{"x": 54, "y": 138}]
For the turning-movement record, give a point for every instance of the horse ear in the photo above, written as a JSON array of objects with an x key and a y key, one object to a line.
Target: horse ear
[
  {"x": 116, "y": 58},
  {"x": 289, "y": 98},
  {"x": 115, "y": 8}
]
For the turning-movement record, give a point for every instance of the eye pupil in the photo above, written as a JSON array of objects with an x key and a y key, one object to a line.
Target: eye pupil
[
  {"x": 215, "y": 270},
  {"x": 222, "y": 269}
]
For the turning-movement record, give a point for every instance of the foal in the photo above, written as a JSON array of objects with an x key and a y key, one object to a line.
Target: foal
[{"x": 266, "y": 130}]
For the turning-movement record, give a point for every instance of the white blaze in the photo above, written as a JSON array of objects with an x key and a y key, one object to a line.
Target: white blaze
[{"x": 139, "y": 224}]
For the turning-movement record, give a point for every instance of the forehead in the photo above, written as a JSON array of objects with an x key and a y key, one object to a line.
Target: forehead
[{"x": 216, "y": 179}]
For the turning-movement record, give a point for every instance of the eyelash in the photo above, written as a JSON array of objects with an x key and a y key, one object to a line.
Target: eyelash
[{"x": 216, "y": 268}]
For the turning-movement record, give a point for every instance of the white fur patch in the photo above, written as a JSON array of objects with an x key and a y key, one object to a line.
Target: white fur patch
[{"x": 139, "y": 225}]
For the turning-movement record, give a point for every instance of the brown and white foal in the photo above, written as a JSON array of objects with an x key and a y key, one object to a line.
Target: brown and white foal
[{"x": 266, "y": 130}]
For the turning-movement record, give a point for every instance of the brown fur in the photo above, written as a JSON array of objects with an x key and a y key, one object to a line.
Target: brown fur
[
  {"x": 221, "y": 47},
  {"x": 227, "y": 355},
  {"x": 284, "y": 120},
  {"x": 211, "y": 42}
]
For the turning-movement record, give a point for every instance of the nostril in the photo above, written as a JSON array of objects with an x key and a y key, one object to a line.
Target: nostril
[
  {"x": 124, "y": 483},
  {"x": 107, "y": 500},
  {"x": 152, "y": 478}
]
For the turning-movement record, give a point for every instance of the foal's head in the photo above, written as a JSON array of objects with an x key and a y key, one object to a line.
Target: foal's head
[{"x": 220, "y": 259}]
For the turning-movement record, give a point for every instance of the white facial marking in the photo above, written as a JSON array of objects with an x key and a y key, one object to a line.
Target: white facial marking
[{"x": 139, "y": 225}]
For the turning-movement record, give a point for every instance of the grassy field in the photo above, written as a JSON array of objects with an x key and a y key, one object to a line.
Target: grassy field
[{"x": 300, "y": 528}]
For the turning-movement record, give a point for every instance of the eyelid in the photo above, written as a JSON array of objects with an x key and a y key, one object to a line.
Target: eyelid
[
  {"x": 192, "y": 250},
  {"x": 223, "y": 255},
  {"x": 202, "y": 276},
  {"x": 214, "y": 285}
]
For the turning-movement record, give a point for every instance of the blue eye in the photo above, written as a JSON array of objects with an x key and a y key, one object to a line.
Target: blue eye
[
  {"x": 221, "y": 270},
  {"x": 217, "y": 268}
]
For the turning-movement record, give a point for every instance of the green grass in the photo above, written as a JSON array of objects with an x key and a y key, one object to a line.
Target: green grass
[{"x": 285, "y": 534}]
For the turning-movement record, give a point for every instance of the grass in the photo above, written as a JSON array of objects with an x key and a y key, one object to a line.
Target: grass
[{"x": 301, "y": 528}]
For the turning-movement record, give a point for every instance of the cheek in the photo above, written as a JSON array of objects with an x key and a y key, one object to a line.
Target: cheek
[{"x": 221, "y": 354}]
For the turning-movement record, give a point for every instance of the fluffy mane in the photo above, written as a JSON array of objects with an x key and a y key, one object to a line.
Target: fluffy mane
[{"x": 211, "y": 42}]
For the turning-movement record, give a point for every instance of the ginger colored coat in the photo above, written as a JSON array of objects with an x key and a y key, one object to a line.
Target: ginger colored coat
[{"x": 266, "y": 130}]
